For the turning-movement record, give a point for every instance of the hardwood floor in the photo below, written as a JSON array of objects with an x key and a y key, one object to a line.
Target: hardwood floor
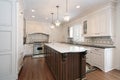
[
  {"x": 100, "y": 75},
  {"x": 37, "y": 69}
]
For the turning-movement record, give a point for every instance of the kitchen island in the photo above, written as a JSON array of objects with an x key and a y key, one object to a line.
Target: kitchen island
[{"x": 67, "y": 62}]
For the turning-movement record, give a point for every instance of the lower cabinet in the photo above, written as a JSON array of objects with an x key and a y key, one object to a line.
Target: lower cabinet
[
  {"x": 66, "y": 66},
  {"x": 89, "y": 57},
  {"x": 101, "y": 58}
]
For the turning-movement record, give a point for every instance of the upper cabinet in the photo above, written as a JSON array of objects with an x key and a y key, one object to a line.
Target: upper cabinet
[{"x": 99, "y": 23}]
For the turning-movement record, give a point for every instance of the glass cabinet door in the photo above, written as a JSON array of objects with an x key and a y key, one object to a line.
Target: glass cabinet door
[{"x": 85, "y": 27}]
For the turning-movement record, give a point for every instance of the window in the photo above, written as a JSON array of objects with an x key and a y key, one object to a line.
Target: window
[
  {"x": 70, "y": 32},
  {"x": 76, "y": 32}
]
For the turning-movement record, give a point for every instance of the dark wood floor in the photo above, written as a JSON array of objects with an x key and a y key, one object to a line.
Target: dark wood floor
[{"x": 37, "y": 69}]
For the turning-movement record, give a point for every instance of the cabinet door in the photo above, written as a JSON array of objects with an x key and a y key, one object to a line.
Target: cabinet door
[
  {"x": 96, "y": 31},
  {"x": 88, "y": 57},
  {"x": 98, "y": 57},
  {"x": 95, "y": 57},
  {"x": 93, "y": 25},
  {"x": 104, "y": 23},
  {"x": 89, "y": 26}
]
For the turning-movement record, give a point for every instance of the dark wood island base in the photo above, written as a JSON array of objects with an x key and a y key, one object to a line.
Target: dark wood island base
[{"x": 66, "y": 66}]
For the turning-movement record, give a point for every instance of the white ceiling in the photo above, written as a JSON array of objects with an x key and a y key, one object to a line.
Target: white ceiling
[{"x": 43, "y": 8}]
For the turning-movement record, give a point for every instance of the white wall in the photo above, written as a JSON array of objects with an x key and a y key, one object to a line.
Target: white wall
[
  {"x": 117, "y": 50},
  {"x": 20, "y": 24},
  {"x": 41, "y": 27},
  {"x": 65, "y": 28},
  {"x": 20, "y": 46}
]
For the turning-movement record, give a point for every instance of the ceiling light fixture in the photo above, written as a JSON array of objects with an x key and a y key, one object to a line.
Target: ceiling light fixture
[
  {"x": 33, "y": 10},
  {"x": 57, "y": 22},
  {"x": 77, "y": 6},
  {"x": 33, "y": 16},
  {"x": 66, "y": 17},
  {"x": 52, "y": 24}
]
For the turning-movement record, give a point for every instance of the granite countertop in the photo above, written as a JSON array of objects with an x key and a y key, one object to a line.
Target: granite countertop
[
  {"x": 66, "y": 48},
  {"x": 93, "y": 45},
  {"x": 99, "y": 45}
]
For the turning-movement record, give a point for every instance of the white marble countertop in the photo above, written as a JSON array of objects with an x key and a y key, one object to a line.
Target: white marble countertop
[{"x": 66, "y": 48}]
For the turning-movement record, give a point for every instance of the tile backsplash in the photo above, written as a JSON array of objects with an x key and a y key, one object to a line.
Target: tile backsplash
[{"x": 99, "y": 40}]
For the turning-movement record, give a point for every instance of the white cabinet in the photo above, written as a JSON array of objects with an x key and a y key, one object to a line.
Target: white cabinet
[
  {"x": 94, "y": 57},
  {"x": 89, "y": 57},
  {"x": 101, "y": 58},
  {"x": 28, "y": 49},
  {"x": 100, "y": 22},
  {"x": 98, "y": 57},
  {"x": 92, "y": 25}
]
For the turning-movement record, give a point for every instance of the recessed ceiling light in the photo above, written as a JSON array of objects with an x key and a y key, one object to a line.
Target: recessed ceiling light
[
  {"x": 33, "y": 10},
  {"x": 33, "y": 16},
  {"x": 78, "y": 6}
]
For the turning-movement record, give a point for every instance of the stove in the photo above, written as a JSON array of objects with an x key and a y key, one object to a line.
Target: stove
[
  {"x": 38, "y": 40},
  {"x": 38, "y": 48}
]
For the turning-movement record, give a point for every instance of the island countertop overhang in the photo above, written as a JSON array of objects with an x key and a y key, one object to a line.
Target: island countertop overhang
[{"x": 66, "y": 48}]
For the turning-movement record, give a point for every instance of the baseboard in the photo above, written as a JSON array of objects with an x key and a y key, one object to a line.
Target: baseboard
[
  {"x": 20, "y": 69},
  {"x": 37, "y": 56},
  {"x": 29, "y": 55}
]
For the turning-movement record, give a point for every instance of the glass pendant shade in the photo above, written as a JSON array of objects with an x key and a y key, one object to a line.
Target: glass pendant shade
[
  {"x": 57, "y": 23},
  {"x": 66, "y": 18},
  {"x": 52, "y": 26}
]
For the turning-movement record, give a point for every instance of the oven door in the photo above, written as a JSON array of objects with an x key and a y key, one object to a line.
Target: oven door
[{"x": 38, "y": 48}]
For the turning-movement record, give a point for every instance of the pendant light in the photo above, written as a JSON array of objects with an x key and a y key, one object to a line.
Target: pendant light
[
  {"x": 57, "y": 22},
  {"x": 66, "y": 17},
  {"x": 52, "y": 24}
]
